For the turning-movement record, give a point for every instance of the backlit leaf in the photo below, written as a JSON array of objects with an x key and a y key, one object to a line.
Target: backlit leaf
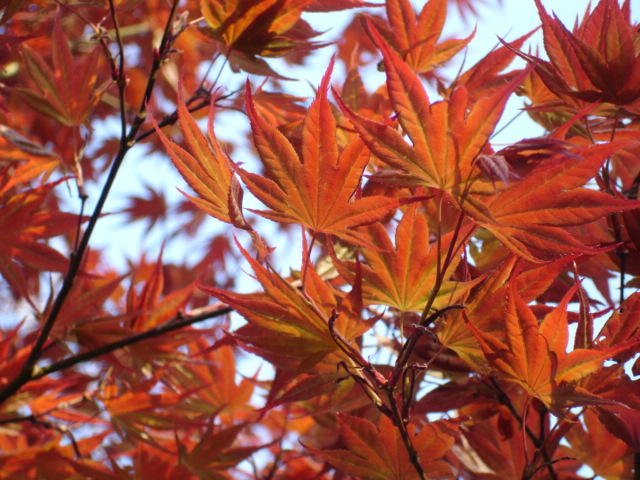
[
  {"x": 446, "y": 136},
  {"x": 534, "y": 355},
  {"x": 403, "y": 276},
  {"x": 592, "y": 444},
  {"x": 376, "y": 451},
  {"x": 284, "y": 326},
  {"x": 531, "y": 216},
  {"x": 415, "y": 37},
  {"x": 206, "y": 167},
  {"x": 68, "y": 90},
  {"x": 313, "y": 189}
]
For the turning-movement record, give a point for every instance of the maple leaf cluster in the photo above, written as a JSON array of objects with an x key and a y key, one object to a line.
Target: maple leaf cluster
[{"x": 424, "y": 303}]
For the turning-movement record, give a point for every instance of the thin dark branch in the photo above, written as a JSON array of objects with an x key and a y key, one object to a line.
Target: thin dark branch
[
  {"x": 120, "y": 78},
  {"x": 176, "y": 323},
  {"x": 159, "y": 58},
  {"x": 546, "y": 465},
  {"x": 170, "y": 326},
  {"x": 26, "y": 372},
  {"x": 100, "y": 36},
  {"x": 425, "y": 318},
  {"x": 171, "y": 119},
  {"x": 83, "y": 203}
]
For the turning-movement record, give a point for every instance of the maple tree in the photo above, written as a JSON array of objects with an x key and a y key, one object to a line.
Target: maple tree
[{"x": 450, "y": 308}]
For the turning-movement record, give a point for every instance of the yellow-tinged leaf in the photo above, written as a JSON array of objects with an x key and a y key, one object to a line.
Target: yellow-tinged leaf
[
  {"x": 446, "y": 136},
  {"x": 486, "y": 309}
]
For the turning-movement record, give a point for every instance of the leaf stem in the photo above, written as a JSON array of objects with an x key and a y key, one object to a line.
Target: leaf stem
[{"x": 306, "y": 261}]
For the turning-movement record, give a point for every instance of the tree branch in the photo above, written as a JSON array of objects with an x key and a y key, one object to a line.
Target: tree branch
[
  {"x": 175, "y": 323},
  {"x": 26, "y": 372}
]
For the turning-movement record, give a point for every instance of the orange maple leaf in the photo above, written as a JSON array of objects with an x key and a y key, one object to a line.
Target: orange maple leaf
[
  {"x": 446, "y": 136},
  {"x": 214, "y": 453},
  {"x": 314, "y": 189},
  {"x": 375, "y": 451},
  {"x": 148, "y": 209},
  {"x": 484, "y": 78},
  {"x": 211, "y": 376},
  {"x": 497, "y": 444},
  {"x": 534, "y": 354},
  {"x": 205, "y": 167},
  {"x": 415, "y": 37},
  {"x": 135, "y": 409},
  {"x": 485, "y": 309},
  {"x": 83, "y": 317},
  {"x": 250, "y": 29},
  {"x": 285, "y": 327},
  {"x": 30, "y": 158},
  {"x": 623, "y": 326},
  {"x": 593, "y": 445},
  {"x": 69, "y": 91},
  {"x": 151, "y": 307},
  {"x": 24, "y": 224},
  {"x": 530, "y": 217},
  {"x": 256, "y": 28},
  {"x": 404, "y": 276}
]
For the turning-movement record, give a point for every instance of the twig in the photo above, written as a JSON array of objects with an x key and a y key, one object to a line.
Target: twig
[
  {"x": 173, "y": 117},
  {"x": 118, "y": 73}
]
